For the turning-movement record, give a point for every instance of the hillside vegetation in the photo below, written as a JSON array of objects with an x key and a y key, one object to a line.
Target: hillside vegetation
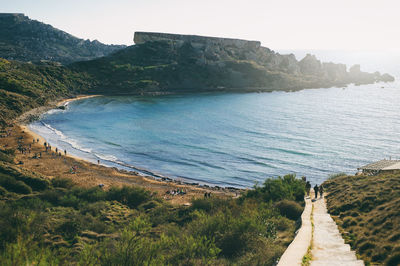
[
  {"x": 26, "y": 40},
  {"x": 367, "y": 210},
  {"x": 52, "y": 221},
  {"x": 25, "y": 86}
]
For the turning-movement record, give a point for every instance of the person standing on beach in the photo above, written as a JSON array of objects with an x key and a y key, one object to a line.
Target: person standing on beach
[
  {"x": 65, "y": 152},
  {"x": 316, "y": 191},
  {"x": 321, "y": 191}
]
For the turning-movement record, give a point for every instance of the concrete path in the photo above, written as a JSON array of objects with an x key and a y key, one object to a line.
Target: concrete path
[
  {"x": 328, "y": 245},
  {"x": 298, "y": 248}
]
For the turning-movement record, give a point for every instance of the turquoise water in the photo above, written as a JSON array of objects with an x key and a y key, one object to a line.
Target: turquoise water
[{"x": 233, "y": 139}]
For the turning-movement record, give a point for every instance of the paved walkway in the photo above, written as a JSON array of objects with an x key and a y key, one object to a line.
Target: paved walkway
[
  {"x": 328, "y": 245},
  {"x": 298, "y": 248}
]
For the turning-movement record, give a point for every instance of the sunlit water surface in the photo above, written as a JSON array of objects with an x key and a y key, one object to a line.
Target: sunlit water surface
[{"x": 233, "y": 139}]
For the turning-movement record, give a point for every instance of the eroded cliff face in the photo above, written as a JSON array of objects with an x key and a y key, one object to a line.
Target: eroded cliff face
[
  {"x": 199, "y": 41},
  {"x": 211, "y": 50},
  {"x": 165, "y": 63}
]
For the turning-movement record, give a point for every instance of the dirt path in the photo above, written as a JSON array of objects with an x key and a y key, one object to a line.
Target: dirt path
[{"x": 328, "y": 246}]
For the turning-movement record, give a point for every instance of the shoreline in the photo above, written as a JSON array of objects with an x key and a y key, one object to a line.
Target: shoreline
[
  {"x": 23, "y": 123},
  {"x": 91, "y": 174},
  {"x": 35, "y": 113}
]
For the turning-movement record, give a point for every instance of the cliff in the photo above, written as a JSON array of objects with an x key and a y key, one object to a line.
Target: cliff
[
  {"x": 165, "y": 63},
  {"x": 199, "y": 41},
  {"x": 24, "y": 39}
]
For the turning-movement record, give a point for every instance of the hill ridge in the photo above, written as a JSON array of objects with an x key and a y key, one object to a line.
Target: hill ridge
[{"x": 24, "y": 39}]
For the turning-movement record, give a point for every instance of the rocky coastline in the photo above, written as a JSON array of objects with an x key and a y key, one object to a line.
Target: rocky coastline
[{"x": 162, "y": 63}]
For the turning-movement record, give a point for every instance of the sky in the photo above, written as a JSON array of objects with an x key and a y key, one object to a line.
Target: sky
[{"x": 279, "y": 24}]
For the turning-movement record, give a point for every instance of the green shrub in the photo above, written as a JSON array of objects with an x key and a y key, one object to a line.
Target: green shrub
[
  {"x": 35, "y": 181},
  {"x": 393, "y": 260},
  {"x": 13, "y": 185},
  {"x": 69, "y": 200},
  {"x": 209, "y": 204},
  {"x": 348, "y": 221},
  {"x": 62, "y": 182},
  {"x": 287, "y": 187},
  {"x": 6, "y": 157},
  {"x": 366, "y": 246},
  {"x": 131, "y": 196},
  {"x": 149, "y": 205},
  {"x": 11, "y": 223},
  {"x": 233, "y": 234},
  {"x": 90, "y": 194},
  {"x": 37, "y": 184},
  {"x": 69, "y": 228},
  {"x": 289, "y": 209},
  {"x": 25, "y": 251},
  {"x": 53, "y": 196},
  {"x": 395, "y": 237},
  {"x": 93, "y": 209},
  {"x": 3, "y": 191},
  {"x": 189, "y": 250}
]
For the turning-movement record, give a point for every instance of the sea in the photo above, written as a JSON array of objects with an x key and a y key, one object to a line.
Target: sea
[{"x": 238, "y": 139}]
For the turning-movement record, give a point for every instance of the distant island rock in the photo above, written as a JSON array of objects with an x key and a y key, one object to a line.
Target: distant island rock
[
  {"x": 26, "y": 40},
  {"x": 165, "y": 63}
]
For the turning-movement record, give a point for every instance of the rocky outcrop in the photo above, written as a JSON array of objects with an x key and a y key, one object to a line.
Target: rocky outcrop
[
  {"x": 166, "y": 63},
  {"x": 310, "y": 65},
  {"x": 194, "y": 40},
  {"x": 24, "y": 39},
  {"x": 216, "y": 51}
]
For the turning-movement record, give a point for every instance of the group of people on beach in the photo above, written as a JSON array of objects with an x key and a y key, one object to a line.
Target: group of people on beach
[
  {"x": 317, "y": 189},
  {"x": 48, "y": 148},
  {"x": 4, "y": 133},
  {"x": 175, "y": 192}
]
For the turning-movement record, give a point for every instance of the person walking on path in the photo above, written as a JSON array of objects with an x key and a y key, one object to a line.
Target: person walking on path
[
  {"x": 308, "y": 187},
  {"x": 316, "y": 191},
  {"x": 321, "y": 191}
]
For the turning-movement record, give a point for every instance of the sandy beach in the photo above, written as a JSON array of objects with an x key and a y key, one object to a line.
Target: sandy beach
[{"x": 88, "y": 174}]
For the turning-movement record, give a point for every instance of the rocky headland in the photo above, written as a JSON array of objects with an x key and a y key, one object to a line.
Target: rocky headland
[{"x": 164, "y": 63}]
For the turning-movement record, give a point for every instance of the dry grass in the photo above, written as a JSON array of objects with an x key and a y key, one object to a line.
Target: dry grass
[{"x": 367, "y": 211}]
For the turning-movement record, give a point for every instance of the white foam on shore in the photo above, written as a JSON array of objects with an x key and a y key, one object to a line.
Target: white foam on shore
[
  {"x": 51, "y": 134},
  {"x": 74, "y": 144}
]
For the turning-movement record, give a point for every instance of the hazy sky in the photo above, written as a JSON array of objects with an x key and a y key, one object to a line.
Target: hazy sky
[{"x": 280, "y": 24}]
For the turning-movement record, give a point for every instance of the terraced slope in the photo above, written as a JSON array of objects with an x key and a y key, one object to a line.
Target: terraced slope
[{"x": 367, "y": 211}]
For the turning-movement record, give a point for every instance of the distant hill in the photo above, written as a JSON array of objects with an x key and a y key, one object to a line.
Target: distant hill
[
  {"x": 25, "y": 86},
  {"x": 168, "y": 63},
  {"x": 24, "y": 39}
]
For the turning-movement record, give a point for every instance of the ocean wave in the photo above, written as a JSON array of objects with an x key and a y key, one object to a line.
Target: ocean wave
[
  {"x": 53, "y": 111},
  {"x": 66, "y": 139},
  {"x": 110, "y": 158}
]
